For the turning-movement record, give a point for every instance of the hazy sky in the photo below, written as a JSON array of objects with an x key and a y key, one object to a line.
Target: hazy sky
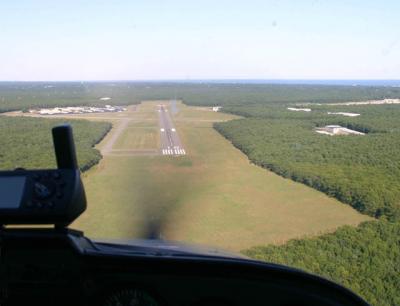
[{"x": 130, "y": 40}]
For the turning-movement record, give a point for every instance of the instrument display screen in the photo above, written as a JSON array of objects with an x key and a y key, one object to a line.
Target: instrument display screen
[{"x": 11, "y": 191}]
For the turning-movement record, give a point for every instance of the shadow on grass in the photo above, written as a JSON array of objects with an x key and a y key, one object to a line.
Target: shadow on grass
[{"x": 161, "y": 196}]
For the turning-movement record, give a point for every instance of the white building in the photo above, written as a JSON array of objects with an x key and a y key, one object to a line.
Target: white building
[
  {"x": 344, "y": 114},
  {"x": 295, "y": 109},
  {"x": 336, "y": 130}
]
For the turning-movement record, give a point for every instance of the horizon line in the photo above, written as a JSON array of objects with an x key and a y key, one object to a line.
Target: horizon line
[{"x": 203, "y": 79}]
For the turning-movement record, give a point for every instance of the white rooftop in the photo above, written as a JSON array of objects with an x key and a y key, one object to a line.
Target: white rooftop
[
  {"x": 299, "y": 109},
  {"x": 344, "y": 114}
]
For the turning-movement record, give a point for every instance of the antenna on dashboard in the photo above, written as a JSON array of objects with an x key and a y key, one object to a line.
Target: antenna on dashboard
[{"x": 64, "y": 147}]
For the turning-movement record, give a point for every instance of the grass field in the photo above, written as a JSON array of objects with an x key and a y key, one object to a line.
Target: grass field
[
  {"x": 212, "y": 196},
  {"x": 138, "y": 138}
]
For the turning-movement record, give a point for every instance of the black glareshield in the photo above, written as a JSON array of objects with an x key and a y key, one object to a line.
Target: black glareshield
[{"x": 54, "y": 196}]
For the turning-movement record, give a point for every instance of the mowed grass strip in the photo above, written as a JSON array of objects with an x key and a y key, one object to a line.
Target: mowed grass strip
[
  {"x": 138, "y": 138},
  {"x": 211, "y": 196},
  {"x": 148, "y": 123}
]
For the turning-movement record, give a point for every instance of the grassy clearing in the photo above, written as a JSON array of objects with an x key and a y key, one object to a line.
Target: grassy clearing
[
  {"x": 212, "y": 196},
  {"x": 201, "y": 114},
  {"x": 138, "y": 138}
]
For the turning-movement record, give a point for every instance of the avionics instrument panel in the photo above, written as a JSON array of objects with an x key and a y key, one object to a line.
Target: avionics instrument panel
[{"x": 59, "y": 266}]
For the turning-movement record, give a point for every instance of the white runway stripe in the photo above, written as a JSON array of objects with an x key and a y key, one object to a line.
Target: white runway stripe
[{"x": 175, "y": 151}]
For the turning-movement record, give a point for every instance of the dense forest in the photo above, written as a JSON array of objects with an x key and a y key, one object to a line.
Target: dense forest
[
  {"x": 23, "y": 95},
  {"x": 27, "y": 142},
  {"x": 365, "y": 259},
  {"x": 363, "y": 171}
]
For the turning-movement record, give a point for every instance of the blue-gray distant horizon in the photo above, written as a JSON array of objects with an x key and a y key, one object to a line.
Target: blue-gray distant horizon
[{"x": 385, "y": 83}]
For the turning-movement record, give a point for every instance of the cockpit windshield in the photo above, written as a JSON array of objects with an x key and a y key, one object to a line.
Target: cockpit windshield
[{"x": 265, "y": 128}]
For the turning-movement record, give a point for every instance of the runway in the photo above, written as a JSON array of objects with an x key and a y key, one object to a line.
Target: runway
[{"x": 170, "y": 142}]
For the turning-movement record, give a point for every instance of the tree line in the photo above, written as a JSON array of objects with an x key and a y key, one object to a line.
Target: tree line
[
  {"x": 25, "y": 95},
  {"x": 363, "y": 171},
  {"x": 27, "y": 142}
]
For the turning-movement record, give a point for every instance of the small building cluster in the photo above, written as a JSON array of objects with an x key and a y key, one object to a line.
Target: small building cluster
[
  {"x": 77, "y": 110},
  {"x": 295, "y": 109},
  {"x": 374, "y": 102},
  {"x": 216, "y": 108},
  {"x": 336, "y": 130},
  {"x": 344, "y": 114}
]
